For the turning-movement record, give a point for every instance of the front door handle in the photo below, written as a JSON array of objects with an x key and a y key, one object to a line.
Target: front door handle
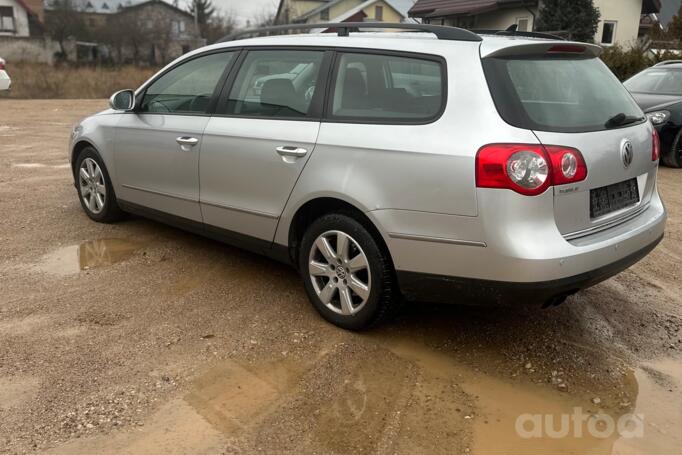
[
  {"x": 187, "y": 142},
  {"x": 287, "y": 150}
]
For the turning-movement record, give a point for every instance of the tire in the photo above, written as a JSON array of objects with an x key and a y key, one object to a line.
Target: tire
[
  {"x": 357, "y": 292},
  {"x": 673, "y": 156},
  {"x": 101, "y": 207}
]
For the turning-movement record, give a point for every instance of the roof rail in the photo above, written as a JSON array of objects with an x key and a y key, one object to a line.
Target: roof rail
[
  {"x": 509, "y": 32},
  {"x": 344, "y": 29},
  {"x": 668, "y": 62}
]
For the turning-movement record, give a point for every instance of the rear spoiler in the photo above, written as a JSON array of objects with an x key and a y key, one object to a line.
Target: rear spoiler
[{"x": 532, "y": 48}]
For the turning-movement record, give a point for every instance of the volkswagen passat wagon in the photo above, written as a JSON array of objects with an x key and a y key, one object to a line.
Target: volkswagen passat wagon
[{"x": 438, "y": 165}]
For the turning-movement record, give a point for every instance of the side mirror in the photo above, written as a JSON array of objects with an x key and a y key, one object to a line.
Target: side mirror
[{"x": 123, "y": 100}]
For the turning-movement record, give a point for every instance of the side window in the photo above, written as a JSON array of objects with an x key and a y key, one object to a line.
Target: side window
[
  {"x": 387, "y": 88},
  {"x": 275, "y": 84},
  {"x": 187, "y": 88}
]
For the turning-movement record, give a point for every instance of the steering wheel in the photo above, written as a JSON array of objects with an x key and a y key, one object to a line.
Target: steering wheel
[
  {"x": 199, "y": 103},
  {"x": 158, "y": 106}
]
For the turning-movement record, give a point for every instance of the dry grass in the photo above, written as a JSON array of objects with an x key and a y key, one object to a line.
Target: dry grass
[{"x": 39, "y": 81}]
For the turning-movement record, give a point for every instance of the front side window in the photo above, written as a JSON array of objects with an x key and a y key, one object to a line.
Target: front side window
[
  {"x": 387, "y": 88},
  {"x": 275, "y": 84},
  {"x": 6, "y": 19},
  {"x": 608, "y": 35},
  {"x": 187, "y": 88}
]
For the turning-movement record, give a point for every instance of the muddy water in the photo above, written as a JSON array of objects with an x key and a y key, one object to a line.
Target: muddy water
[
  {"x": 392, "y": 396},
  {"x": 72, "y": 259}
]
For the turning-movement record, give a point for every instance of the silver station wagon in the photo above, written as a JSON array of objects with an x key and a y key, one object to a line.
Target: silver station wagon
[{"x": 433, "y": 164}]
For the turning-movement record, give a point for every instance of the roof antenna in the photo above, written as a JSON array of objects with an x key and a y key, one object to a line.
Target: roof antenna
[{"x": 512, "y": 28}]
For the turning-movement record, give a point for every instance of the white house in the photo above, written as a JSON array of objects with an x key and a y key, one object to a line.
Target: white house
[
  {"x": 20, "y": 18},
  {"x": 619, "y": 20}
]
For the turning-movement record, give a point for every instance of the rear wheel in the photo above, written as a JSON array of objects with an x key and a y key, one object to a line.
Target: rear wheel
[
  {"x": 673, "y": 157},
  {"x": 347, "y": 275},
  {"x": 94, "y": 187}
]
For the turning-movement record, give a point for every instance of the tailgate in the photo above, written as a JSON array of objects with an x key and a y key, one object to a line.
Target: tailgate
[{"x": 616, "y": 187}]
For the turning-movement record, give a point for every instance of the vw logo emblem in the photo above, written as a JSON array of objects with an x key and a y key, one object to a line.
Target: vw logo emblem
[{"x": 627, "y": 153}]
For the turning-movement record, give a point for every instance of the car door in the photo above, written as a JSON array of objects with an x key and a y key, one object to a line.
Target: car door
[
  {"x": 263, "y": 133},
  {"x": 157, "y": 145}
]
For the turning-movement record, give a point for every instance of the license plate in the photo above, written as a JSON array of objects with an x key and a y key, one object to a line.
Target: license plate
[{"x": 614, "y": 197}]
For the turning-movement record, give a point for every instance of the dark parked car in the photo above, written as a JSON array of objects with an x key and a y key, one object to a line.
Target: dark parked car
[{"x": 658, "y": 91}]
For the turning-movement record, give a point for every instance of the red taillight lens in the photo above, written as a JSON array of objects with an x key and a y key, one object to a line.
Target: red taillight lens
[
  {"x": 568, "y": 165},
  {"x": 656, "y": 146},
  {"x": 2, "y": 66},
  {"x": 528, "y": 169}
]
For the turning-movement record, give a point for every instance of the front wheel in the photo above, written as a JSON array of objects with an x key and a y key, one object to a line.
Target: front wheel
[
  {"x": 94, "y": 187},
  {"x": 673, "y": 157},
  {"x": 347, "y": 275}
]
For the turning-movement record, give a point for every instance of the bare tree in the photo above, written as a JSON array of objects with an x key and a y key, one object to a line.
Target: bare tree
[
  {"x": 220, "y": 25},
  {"x": 64, "y": 22}
]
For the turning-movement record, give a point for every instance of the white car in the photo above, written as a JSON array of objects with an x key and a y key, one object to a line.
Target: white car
[{"x": 5, "y": 81}]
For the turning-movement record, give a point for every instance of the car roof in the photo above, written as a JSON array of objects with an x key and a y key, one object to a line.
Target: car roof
[{"x": 400, "y": 41}]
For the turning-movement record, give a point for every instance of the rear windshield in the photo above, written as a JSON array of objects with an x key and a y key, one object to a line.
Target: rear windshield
[
  {"x": 661, "y": 81},
  {"x": 557, "y": 94}
]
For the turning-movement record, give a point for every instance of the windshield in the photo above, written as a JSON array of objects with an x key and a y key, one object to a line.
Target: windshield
[
  {"x": 558, "y": 94},
  {"x": 662, "y": 81}
]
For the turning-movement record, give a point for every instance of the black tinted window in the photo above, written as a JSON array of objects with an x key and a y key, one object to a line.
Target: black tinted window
[
  {"x": 275, "y": 84},
  {"x": 187, "y": 88},
  {"x": 387, "y": 88}
]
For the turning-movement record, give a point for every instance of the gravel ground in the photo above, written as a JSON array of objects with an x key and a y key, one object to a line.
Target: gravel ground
[{"x": 140, "y": 338}]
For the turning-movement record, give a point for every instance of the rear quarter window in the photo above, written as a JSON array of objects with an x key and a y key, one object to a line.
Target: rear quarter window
[
  {"x": 377, "y": 88},
  {"x": 557, "y": 94}
]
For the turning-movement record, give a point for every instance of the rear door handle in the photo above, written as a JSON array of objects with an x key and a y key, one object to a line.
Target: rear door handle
[
  {"x": 187, "y": 142},
  {"x": 287, "y": 150}
]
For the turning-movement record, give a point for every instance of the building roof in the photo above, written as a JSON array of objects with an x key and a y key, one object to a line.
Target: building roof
[
  {"x": 97, "y": 6},
  {"x": 353, "y": 11},
  {"x": 112, "y": 6},
  {"x": 440, "y": 8},
  {"x": 400, "y": 6}
]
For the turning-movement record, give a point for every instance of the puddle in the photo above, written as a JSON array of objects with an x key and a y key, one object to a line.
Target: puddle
[
  {"x": 660, "y": 404},
  {"x": 397, "y": 396},
  {"x": 72, "y": 259}
]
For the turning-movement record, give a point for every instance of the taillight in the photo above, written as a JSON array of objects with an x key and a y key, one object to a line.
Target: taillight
[
  {"x": 656, "y": 146},
  {"x": 528, "y": 169},
  {"x": 2, "y": 65}
]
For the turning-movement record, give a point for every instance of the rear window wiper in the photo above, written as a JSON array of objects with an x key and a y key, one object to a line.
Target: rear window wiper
[{"x": 621, "y": 120}]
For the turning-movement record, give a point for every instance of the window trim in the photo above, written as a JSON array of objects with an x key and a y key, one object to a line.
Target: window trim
[
  {"x": 328, "y": 117},
  {"x": 613, "y": 35},
  {"x": 317, "y": 103},
  {"x": 141, "y": 92}
]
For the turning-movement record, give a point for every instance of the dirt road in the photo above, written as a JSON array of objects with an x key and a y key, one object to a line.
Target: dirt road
[{"x": 140, "y": 338}]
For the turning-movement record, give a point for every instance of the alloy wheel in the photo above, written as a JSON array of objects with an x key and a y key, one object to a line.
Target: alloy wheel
[
  {"x": 92, "y": 186},
  {"x": 339, "y": 271}
]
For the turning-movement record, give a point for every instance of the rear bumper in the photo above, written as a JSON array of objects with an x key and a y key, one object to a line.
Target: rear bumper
[{"x": 447, "y": 289}]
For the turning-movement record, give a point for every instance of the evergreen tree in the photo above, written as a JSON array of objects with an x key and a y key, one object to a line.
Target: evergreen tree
[
  {"x": 203, "y": 10},
  {"x": 579, "y": 18}
]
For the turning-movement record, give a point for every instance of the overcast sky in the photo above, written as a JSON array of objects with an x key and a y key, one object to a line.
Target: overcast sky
[{"x": 245, "y": 10}]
